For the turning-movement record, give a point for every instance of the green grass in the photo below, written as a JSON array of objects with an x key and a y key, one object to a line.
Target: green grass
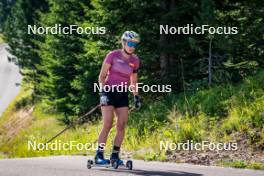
[
  {"x": 1, "y": 38},
  {"x": 256, "y": 165},
  {"x": 220, "y": 110},
  {"x": 212, "y": 114},
  {"x": 242, "y": 164},
  {"x": 151, "y": 156},
  {"x": 42, "y": 127},
  {"x": 39, "y": 128}
]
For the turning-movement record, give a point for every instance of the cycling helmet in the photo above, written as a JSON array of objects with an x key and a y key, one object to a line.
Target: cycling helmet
[{"x": 130, "y": 36}]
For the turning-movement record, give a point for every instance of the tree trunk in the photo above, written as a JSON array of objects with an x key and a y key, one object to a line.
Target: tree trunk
[
  {"x": 210, "y": 64},
  {"x": 164, "y": 57}
]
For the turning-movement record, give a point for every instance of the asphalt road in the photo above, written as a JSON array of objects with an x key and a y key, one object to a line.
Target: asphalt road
[
  {"x": 76, "y": 166},
  {"x": 10, "y": 79}
]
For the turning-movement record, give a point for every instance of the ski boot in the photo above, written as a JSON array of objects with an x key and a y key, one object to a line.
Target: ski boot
[
  {"x": 99, "y": 159},
  {"x": 115, "y": 160}
]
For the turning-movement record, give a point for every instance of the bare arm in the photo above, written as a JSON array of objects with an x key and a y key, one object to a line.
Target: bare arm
[
  {"x": 103, "y": 73},
  {"x": 133, "y": 81}
]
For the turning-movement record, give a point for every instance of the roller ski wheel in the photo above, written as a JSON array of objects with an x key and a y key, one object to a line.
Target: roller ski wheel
[
  {"x": 129, "y": 165},
  {"x": 89, "y": 164},
  {"x": 115, "y": 164}
]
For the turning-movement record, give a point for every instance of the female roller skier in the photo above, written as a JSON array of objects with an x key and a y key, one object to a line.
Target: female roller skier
[{"x": 120, "y": 67}]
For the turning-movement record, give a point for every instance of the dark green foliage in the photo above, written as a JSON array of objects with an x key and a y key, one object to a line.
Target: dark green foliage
[
  {"x": 63, "y": 68},
  {"x": 22, "y": 44},
  {"x": 5, "y": 11},
  {"x": 69, "y": 73}
]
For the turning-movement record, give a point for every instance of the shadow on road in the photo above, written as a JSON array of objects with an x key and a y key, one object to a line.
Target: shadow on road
[{"x": 156, "y": 173}]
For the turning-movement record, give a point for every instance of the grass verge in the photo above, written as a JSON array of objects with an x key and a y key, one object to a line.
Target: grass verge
[
  {"x": 212, "y": 114},
  {"x": 1, "y": 38}
]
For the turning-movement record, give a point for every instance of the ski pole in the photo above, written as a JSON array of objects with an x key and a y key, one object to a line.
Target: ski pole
[
  {"x": 72, "y": 124},
  {"x": 129, "y": 111},
  {"x": 77, "y": 121}
]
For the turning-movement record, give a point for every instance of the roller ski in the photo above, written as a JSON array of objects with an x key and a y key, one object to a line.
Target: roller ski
[{"x": 114, "y": 162}]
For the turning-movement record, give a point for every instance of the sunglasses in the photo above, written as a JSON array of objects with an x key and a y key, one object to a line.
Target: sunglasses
[{"x": 132, "y": 44}]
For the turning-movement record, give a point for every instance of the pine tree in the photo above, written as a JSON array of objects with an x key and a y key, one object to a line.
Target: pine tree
[
  {"x": 63, "y": 59},
  {"x": 21, "y": 43}
]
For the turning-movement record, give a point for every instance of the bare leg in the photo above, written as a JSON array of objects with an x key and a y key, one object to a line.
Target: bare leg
[
  {"x": 122, "y": 118},
  {"x": 107, "y": 113}
]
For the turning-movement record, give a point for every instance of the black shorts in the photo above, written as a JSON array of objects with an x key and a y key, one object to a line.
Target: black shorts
[{"x": 117, "y": 99}]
